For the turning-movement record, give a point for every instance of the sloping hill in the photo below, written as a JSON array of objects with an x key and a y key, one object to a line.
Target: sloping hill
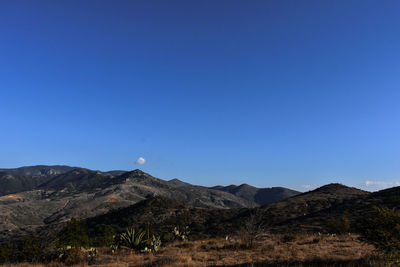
[
  {"x": 27, "y": 178},
  {"x": 305, "y": 212},
  {"x": 78, "y": 180},
  {"x": 260, "y": 196},
  {"x": 162, "y": 214},
  {"x": 280, "y": 216},
  {"x": 178, "y": 182},
  {"x": 354, "y": 209},
  {"x": 288, "y": 215},
  {"x": 83, "y": 193}
]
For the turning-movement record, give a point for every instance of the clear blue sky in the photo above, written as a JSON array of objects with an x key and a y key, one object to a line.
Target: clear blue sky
[{"x": 270, "y": 93}]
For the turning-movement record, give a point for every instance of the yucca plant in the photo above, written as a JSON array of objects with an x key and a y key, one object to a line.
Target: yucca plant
[{"x": 132, "y": 239}]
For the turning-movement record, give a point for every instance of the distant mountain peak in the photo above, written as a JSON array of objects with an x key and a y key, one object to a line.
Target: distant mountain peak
[
  {"x": 334, "y": 187},
  {"x": 138, "y": 172},
  {"x": 178, "y": 182}
]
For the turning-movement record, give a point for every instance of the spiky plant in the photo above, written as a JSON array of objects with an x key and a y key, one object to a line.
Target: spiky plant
[{"x": 132, "y": 239}]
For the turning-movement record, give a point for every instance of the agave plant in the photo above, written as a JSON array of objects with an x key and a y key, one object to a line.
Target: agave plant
[{"x": 132, "y": 239}]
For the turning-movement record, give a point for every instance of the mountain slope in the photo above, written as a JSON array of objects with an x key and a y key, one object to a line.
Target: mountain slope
[
  {"x": 79, "y": 180},
  {"x": 83, "y": 193},
  {"x": 354, "y": 209},
  {"x": 304, "y": 205},
  {"x": 178, "y": 182},
  {"x": 27, "y": 178},
  {"x": 260, "y": 196},
  {"x": 162, "y": 214}
]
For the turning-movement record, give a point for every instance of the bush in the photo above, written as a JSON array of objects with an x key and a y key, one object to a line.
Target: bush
[
  {"x": 108, "y": 237},
  {"x": 74, "y": 234},
  {"x": 8, "y": 253},
  {"x": 250, "y": 230},
  {"x": 32, "y": 249},
  {"x": 382, "y": 230},
  {"x": 72, "y": 256},
  {"x": 340, "y": 226}
]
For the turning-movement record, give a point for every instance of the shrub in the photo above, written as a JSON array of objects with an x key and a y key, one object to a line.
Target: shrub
[
  {"x": 74, "y": 234},
  {"x": 32, "y": 249},
  {"x": 71, "y": 256},
  {"x": 382, "y": 230},
  {"x": 108, "y": 237},
  {"x": 339, "y": 226},
  {"x": 10, "y": 253},
  {"x": 250, "y": 230}
]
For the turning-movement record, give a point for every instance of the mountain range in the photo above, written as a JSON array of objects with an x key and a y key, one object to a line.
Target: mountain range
[
  {"x": 36, "y": 196},
  {"x": 45, "y": 197}
]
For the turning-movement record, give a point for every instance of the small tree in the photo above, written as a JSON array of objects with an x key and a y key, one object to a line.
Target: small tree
[
  {"x": 32, "y": 249},
  {"x": 9, "y": 253},
  {"x": 108, "y": 237},
  {"x": 382, "y": 230},
  {"x": 251, "y": 229},
  {"x": 74, "y": 235},
  {"x": 339, "y": 226}
]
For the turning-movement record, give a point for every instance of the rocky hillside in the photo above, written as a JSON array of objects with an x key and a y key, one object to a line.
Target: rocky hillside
[
  {"x": 84, "y": 193},
  {"x": 306, "y": 212},
  {"x": 281, "y": 216},
  {"x": 123, "y": 198},
  {"x": 27, "y": 178},
  {"x": 162, "y": 211}
]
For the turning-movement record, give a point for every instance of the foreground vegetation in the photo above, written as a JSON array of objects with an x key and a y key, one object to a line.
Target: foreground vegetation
[
  {"x": 293, "y": 250},
  {"x": 372, "y": 240}
]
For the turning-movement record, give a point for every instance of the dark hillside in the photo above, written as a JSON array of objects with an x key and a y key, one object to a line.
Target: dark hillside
[
  {"x": 27, "y": 178},
  {"x": 260, "y": 196},
  {"x": 162, "y": 215},
  {"x": 281, "y": 214}
]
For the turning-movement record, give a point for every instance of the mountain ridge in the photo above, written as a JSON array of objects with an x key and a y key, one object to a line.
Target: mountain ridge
[
  {"x": 83, "y": 193},
  {"x": 261, "y": 196}
]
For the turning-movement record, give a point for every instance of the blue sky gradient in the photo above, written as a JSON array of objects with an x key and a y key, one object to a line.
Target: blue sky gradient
[{"x": 269, "y": 93}]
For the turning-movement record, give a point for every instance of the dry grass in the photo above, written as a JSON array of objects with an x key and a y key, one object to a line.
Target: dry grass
[{"x": 268, "y": 250}]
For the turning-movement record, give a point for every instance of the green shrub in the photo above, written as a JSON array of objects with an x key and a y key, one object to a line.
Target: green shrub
[
  {"x": 382, "y": 230},
  {"x": 74, "y": 234},
  {"x": 339, "y": 226},
  {"x": 32, "y": 249},
  {"x": 108, "y": 237},
  {"x": 9, "y": 253}
]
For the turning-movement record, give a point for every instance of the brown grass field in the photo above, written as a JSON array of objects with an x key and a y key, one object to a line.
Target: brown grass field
[{"x": 268, "y": 250}]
